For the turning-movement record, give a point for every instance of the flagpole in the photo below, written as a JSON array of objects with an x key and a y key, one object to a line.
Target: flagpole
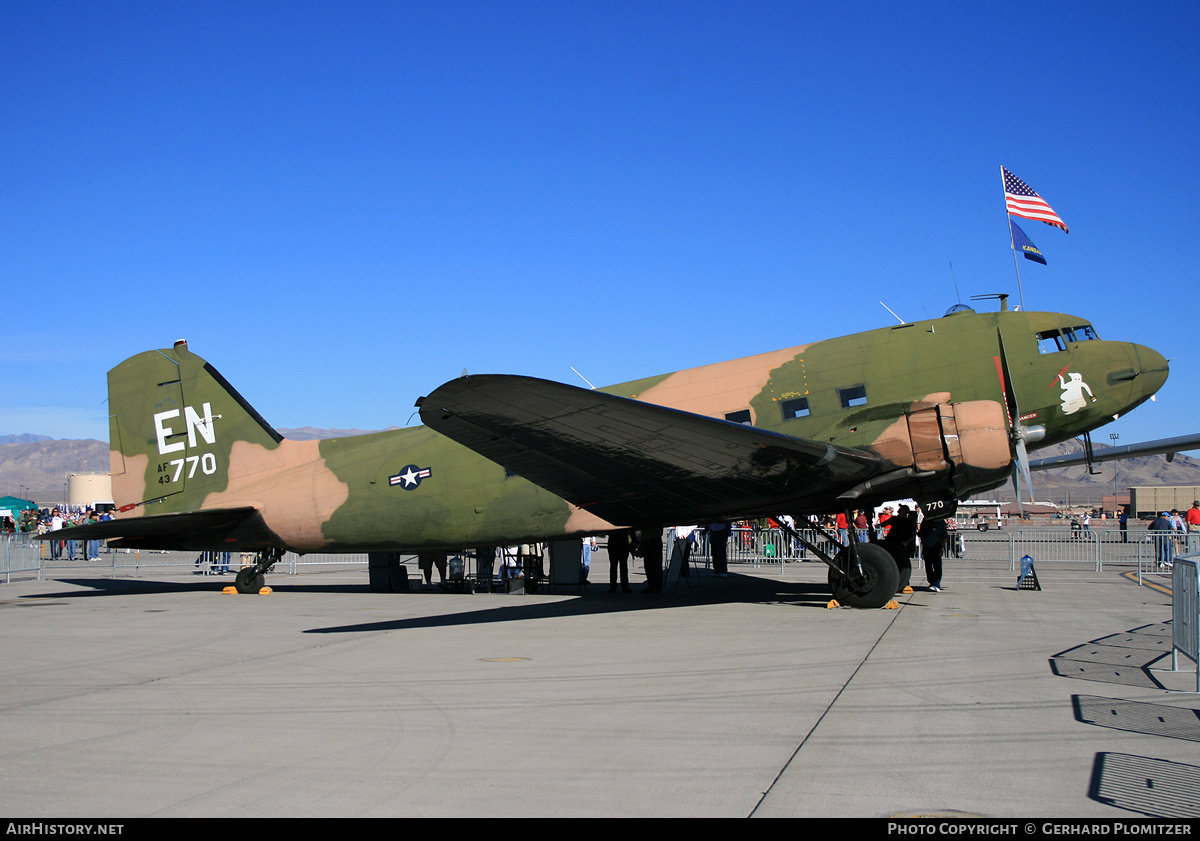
[{"x": 1011, "y": 242}]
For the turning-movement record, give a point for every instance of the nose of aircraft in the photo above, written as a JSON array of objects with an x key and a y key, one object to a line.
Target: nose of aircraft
[{"x": 1152, "y": 370}]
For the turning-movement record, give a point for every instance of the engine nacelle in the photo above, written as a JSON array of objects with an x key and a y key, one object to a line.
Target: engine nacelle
[{"x": 945, "y": 448}]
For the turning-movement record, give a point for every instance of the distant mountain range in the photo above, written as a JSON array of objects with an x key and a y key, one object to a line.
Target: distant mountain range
[
  {"x": 23, "y": 438},
  {"x": 36, "y": 466},
  {"x": 1111, "y": 477}
]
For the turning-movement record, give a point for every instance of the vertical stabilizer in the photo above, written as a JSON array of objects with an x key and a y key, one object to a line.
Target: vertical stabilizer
[{"x": 173, "y": 421}]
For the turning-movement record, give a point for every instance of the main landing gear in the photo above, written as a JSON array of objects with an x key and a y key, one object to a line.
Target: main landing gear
[
  {"x": 861, "y": 575},
  {"x": 870, "y": 582},
  {"x": 252, "y": 578}
]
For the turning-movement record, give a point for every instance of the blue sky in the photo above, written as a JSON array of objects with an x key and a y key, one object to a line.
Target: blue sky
[{"x": 343, "y": 205}]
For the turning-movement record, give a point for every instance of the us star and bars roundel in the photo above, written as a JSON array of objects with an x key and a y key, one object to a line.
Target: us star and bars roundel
[{"x": 410, "y": 477}]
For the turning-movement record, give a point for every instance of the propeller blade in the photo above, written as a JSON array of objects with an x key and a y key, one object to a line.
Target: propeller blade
[
  {"x": 1022, "y": 466},
  {"x": 1017, "y": 490},
  {"x": 1016, "y": 432}
]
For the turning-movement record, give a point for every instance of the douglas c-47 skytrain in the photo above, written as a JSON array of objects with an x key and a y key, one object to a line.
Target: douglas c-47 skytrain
[{"x": 936, "y": 410}]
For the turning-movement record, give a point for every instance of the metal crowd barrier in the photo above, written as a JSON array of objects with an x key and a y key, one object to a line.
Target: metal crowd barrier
[
  {"x": 1157, "y": 551},
  {"x": 1095, "y": 547},
  {"x": 23, "y": 557},
  {"x": 20, "y": 556},
  {"x": 767, "y": 547},
  {"x": 1185, "y": 610},
  {"x": 1150, "y": 552}
]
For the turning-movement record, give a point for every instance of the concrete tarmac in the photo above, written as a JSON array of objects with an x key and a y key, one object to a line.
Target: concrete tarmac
[{"x": 742, "y": 696}]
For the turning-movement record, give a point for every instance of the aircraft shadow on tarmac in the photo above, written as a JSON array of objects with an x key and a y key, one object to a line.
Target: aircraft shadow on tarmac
[
  {"x": 201, "y": 584},
  {"x": 596, "y": 600},
  {"x": 496, "y": 607}
]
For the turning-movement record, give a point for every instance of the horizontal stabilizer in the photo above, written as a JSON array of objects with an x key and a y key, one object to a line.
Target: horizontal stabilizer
[
  {"x": 639, "y": 463},
  {"x": 217, "y": 529}
]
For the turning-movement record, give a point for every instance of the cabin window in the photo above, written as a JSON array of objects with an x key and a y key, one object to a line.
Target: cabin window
[
  {"x": 1049, "y": 341},
  {"x": 1085, "y": 333},
  {"x": 740, "y": 417},
  {"x": 795, "y": 408},
  {"x": 855, "y": 396}
]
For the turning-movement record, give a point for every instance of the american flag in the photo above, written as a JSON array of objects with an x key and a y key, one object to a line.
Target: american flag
[{"x": 1024, "y": 202}]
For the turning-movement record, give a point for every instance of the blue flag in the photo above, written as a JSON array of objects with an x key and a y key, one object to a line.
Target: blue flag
[{"x": 1021, "y": 243}]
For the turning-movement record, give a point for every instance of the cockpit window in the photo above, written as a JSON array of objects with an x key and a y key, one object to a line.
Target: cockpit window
[{"x": 1050, "y": 341}]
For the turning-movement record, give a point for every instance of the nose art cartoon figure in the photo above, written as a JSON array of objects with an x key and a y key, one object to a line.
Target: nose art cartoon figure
[{"x": 1072, "y": 393}]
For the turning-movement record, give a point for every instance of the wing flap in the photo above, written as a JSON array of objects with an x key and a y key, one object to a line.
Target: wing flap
[{"x": 632, "y": 462}]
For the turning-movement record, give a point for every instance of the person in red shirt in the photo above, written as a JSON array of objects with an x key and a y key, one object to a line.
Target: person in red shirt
[
  {"x": 861, "y": 525},
  {"x": 884, "y": 516},
  {"x": 1193, "y": 516},
  {"x": 843, "y": 529}
]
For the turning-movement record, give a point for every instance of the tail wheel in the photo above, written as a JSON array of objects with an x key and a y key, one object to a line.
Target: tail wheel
[
  {"x": 249, "y": 580},
  {"x": 869, "y": 584}
]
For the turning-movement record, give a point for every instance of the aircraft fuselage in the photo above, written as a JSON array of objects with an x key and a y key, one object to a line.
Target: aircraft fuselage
[{"x": 182, "y": 439}]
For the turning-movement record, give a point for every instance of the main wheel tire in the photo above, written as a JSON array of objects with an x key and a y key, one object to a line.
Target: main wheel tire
[
  {"x": 871, "y": 587},
  {"x": 248, "y": 581}
]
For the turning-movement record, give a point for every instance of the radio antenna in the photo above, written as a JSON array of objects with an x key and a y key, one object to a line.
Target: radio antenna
[
  {"x": 585, "y": 379},
  {"x": 889, "y": 309}
]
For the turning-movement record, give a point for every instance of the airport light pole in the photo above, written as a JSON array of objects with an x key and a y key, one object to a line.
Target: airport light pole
[{"x": 1114, "y": 437}]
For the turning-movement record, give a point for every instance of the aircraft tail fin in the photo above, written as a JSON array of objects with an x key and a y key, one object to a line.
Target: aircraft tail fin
[{"x": 173, "y": 422}]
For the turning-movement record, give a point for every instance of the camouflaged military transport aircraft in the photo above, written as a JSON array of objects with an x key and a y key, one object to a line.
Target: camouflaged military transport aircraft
[{"x": 935, "y": 410}]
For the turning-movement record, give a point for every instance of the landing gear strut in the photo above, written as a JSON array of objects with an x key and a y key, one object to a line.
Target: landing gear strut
[{"x": 251, "y": 579}]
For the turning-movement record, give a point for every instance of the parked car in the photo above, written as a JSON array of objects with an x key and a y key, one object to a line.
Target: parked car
[{"x": 983, "y": 522}]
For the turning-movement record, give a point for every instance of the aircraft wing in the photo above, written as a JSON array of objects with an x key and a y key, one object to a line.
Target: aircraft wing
[
  {"x": 1161, "y": 446},
  {"x": 224, "y": 529},
  {"x": 631, "y": 462}
]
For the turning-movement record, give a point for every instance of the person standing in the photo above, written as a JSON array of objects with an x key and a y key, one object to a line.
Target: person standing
[
  {"x": 1164, "y": 541},
  {"x": 426, "y": 562},
  {"x": 900, "y": 537},
  {"x": 585, "y": 558},
  {"x": 1193, "y": 516},
  {"x": 861, "y": 526},
  {"x": 92, "y": 547},
  {"x": 843, "y": 528},
  {"x": 650, "y": 544},
  {"x": 71, "y": 521},
  {"x": 718, "y": 547},
  {"x": 933, "y": 542},
  {"x": 618, "y": 561},
  {"x": 56, "y": 524}
]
